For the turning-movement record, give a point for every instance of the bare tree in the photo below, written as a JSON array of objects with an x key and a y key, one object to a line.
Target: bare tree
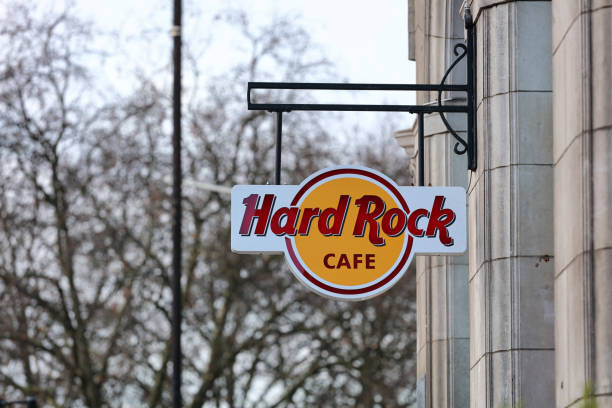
[{"x": 85, "y": 251}]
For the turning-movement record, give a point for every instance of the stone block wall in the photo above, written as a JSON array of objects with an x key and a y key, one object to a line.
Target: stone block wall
[
  {"x": 539, "y": 207},
  {"x": 582, "y": 155},
  {"x": 510, "y": 208},
  {"x": 442, "y": 282}
]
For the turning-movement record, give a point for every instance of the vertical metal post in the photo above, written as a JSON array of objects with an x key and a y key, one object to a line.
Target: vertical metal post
[
  {"x": 421, "y": 126},
  {"x": 177, "y": 204},
  {"x": 471, "y": 91},
  {"x": 279, "y": 136}
]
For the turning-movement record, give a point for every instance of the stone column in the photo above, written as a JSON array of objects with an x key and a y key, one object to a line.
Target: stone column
[
  {"x": 442, "y": 282},
  {"x": 510, "y": 209},
  {"x": 582, "y": 113}
]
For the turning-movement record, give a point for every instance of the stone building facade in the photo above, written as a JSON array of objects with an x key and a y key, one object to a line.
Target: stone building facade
[{"x": 525, "y": 317}]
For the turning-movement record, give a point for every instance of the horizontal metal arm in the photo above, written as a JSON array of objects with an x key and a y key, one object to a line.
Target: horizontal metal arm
[
  {"x": 288, "y": 107},
  {"x": 325, "y": 86}
]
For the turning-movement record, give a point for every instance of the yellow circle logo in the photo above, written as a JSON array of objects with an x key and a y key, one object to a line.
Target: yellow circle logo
[
  {"x": 344, "y": 258},
  {"x": 350, "y": 239}
]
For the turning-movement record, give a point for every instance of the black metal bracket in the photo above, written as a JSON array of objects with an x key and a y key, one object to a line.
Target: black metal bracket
[{"x": 462, "y": 146}]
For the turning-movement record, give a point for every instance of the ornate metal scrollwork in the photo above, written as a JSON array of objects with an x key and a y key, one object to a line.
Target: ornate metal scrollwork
[{"x": 461, "y": 146}]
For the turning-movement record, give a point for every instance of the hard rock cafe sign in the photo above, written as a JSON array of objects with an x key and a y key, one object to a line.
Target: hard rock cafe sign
[{"x": 348, "y": 232}]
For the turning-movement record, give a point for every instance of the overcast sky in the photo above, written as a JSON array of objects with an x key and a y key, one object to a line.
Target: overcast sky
[{"x": 365, "y": 40}]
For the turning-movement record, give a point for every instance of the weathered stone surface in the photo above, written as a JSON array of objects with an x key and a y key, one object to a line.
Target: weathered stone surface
[
  {"x": 442, "y": 295},
  {"x": 460, "y": 313},
  {"x": 500, "y": 386},
  {"x": 439, "y": 297},
  {"x": 603, "y": 320},
  {"x": 603, "y": 400},
  {"x": 499, "y": 206},
  {"x": 529, "y": 115},
  {"x": 496, "y": 40},
  {"x": 437, "y": 63},
  {"x": 481, "y": 63},
  {"x": 602, "y": 187},
  {"x": 535, "y": 306},
  {"x": 421, "y": 289},
  {"x": 564, "y": 16},
  {"x": 498, "y": 131},
  {"x": 459, "y": 376},
  {"x": 478, "y": 381},
  {"x": 570, "y": 376},
  {"x": 411, "y": 30},
  {"x": 499, "y": 304},
  {"x": 602, "y": 67},
  {"x": 479, "y": 6},
  {"x": 478, "y": 319},
  {"x": 436, "y": 154},
  {"x": 561, "y": 342},
  {"x": 440, "y": 361},
  {"x": 567, "y": 82},
  {"x": 434, "y": 125},
  {"x": 533, "y": 193},
  {"x": 536, "y": 364},
  {"x": 511, "y": 302},
  {"x": 437, "y": 18},
  {"x": 513, "y": 259},
  {"x": 534, "y": 127},
  {"x": 476, "y": 235},
  {"x": 568, "y": 207},
  {"x": 421, "y": 363},
  {"x": 533, "y": 44}
]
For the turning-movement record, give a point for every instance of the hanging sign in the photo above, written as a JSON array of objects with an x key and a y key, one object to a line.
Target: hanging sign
[{"x": 348, "y": 232}]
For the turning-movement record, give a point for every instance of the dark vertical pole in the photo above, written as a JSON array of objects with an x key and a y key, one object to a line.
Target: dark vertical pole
[
  {"x": 176, "y": 198},
  {"x": 471, "y": 94},
  {"x": 279, "y": 136},
  {"x": 421, "y": 126}
]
